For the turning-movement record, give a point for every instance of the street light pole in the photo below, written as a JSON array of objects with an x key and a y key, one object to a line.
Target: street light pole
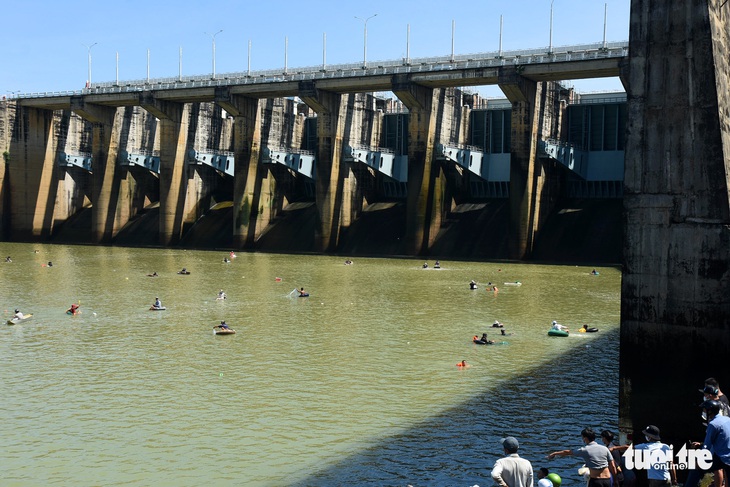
[
  {"x": 88, "y": 51},
  {"x": 212, "y": 37},
  {"x": 550, "y": 49},
  {"x": 365, "y": 40}
]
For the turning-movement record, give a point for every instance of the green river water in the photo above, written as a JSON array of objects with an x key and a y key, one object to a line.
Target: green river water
[{"x": 354, "y": 385}]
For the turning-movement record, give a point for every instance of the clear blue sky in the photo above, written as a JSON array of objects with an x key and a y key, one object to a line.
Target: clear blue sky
[{"x": 45, "y": 41}]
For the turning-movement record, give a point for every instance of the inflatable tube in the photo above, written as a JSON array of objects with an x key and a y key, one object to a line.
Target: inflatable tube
[
  {"x": 155, "y": 308},
  {"x": 304, "y": 295},
  {"x": 557, "y": 333},
  {"x": 588, "y": 330},
  {"x": 482, "y": 342},
  {"x": 555, "y": 479}
]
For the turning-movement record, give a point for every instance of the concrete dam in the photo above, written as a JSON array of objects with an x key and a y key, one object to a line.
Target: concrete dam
[
  {"x": 322, "y": 164},
  {"x": 88, "y": 174}
]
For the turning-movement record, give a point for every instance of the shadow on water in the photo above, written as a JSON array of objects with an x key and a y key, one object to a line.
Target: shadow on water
[{"x": 545, "y": 409}]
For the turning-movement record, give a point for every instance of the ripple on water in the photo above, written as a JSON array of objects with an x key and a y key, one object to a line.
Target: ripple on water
[{"x": 355, "y": 385}]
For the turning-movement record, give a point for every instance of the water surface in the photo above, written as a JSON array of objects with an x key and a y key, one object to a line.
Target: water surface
[{"x": 355, "y": 385}]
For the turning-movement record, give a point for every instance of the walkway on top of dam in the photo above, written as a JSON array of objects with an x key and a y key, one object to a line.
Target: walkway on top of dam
[{"x": 598, "y": 60}]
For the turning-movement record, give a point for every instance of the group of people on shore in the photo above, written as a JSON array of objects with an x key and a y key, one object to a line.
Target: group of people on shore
[
  {"x": 600, "y": 468},
  {"x": 605, "y": 464}
]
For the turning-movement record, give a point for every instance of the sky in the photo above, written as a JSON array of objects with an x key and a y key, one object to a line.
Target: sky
[{"x": 47, "y": 42}]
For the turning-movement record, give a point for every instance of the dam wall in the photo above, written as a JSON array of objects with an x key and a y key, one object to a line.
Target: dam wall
[
  {"x": 149, "y": 156},
  {"x": 675, "y": 310}
]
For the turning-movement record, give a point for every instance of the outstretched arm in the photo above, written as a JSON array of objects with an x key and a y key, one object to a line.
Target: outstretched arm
[{"x": 560, "y": 453}]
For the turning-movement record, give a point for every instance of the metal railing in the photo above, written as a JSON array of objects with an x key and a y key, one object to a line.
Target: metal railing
[{"x": 374, "y": 68}]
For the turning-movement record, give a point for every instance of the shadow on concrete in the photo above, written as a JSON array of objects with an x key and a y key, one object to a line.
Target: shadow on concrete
[
  {"x": 213, "y": 230},
  {"x": 545, "y": 408},
  {"x": 74, "y": 230},
  {"x": 582, "y": 231},
  {"x": 291, "y": 231},
  {"x": 475, "y": 231},
  {"x": 379, "y": 231},
  {"x": 143, "y": 230}
]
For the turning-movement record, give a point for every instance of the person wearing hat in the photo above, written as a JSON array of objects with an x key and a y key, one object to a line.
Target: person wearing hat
[
  {"x": 711, "y": 381},
  {"x": 512, "y": 471},
  {"x": 18, "y": 314},
  {"x": 597, "y": 458},
  {"x": 658, "y": 474},
  {"x": 712, "y": 393},
  {"x": 717, "y": 441},
  {"x": 559, "y": 327}
]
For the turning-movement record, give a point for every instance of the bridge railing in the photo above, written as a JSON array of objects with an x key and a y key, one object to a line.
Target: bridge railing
[{"x": 373, "y": 68}]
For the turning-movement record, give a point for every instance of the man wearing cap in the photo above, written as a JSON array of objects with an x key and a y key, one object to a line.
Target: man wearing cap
[
  {"x": 711, "y": 381},
  {"x": 717, "y": 441},
  {"x": 597, "y": 458},
  {"x": 712, "y": 393},
  {"x": 659, "y": 474},
  {"x": 512, "y": 471}
]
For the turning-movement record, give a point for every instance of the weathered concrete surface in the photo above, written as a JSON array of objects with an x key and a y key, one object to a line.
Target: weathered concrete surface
[
  {"x": 7, "y": 113},
  {"x": 675, "y": 313},
  {"x": 339, "y": 122},
  {"x": 426, "y": 179},
  {"x": 533, "y": 183},
  {"x": 31, "y": 170},
  {"x": 174, "y": 118},
  {"x": 249, "y": 214}
]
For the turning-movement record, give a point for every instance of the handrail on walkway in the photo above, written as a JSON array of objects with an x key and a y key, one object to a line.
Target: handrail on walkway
[{"x": 338, "y": 71}]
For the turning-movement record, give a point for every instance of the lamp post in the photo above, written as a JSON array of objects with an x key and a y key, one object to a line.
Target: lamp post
[
  {"x": 88, "y": 51},
  {"x": 212, "y": 37},
  {"x": 365, "y": 40},
  {"x": 550, "y": 49}
]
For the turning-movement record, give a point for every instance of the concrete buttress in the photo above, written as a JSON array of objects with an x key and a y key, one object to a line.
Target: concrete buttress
[
  {"x": 675, "y": 303},
  {"x": 426, "y": 180},
  {"x": 31, "y": 174},
  {"x": 109, "y": 186},
  {"x": 250, "y": 212},
  {"x": 174, "y": 119},
  {"x": 332, "y": 173},
  {"x": 527, "y": 174}
]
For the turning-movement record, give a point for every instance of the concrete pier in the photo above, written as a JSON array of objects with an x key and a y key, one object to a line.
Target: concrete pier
[
  {"x": 174, "y": 119},
  {"x": 332, "y": 118},
  {"x": 250, "y": 212},
  {"x": 426, "y": 181},
  {"x": 105, "y": 196},
  {"x": 675, "y": 313},
  {"x": 533, "y": 106},
  {"x": 33, "y": 154}
]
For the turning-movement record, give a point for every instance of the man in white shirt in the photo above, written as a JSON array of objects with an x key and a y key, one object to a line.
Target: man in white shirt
[{"x": 512, "y": 471}]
